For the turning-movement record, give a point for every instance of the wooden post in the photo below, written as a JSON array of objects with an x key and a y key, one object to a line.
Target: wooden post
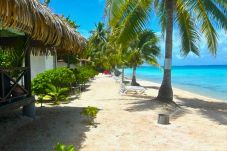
[
  {"x": 29, "y": 109},
  {"x": 27, "y": 77}
]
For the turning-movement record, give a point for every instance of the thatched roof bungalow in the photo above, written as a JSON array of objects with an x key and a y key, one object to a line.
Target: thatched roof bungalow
[
  {"x": 36, "y": 21},
  {"x": 32, "y": 24}
]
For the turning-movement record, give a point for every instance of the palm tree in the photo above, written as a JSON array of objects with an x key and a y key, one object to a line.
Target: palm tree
[
  {"x": 143, "y": 48},
  {"x": 127, "y": 18},
  {"x": 97, "y": 46}
]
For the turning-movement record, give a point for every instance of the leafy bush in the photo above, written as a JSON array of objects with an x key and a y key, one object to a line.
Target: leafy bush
[
  {"x": 60, "y": 77},
  {"x": 90, "y": 113},
  {"x": 83, "y": 74},
  {"x": 57, "y": 94},
  {"x": 62, "y": 147}
]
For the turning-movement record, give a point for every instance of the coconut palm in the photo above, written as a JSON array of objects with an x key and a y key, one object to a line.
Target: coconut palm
[
  {"x": 97, "y": 45},
  {"x": 144, "y": 48},
  {"x": 127, "y": 18}
]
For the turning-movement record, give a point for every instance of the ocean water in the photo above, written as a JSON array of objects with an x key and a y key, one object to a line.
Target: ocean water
[{"x": 209, "y": 81}]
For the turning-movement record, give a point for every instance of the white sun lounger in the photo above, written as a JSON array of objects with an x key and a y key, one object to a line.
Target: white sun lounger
[
  {"x": 131, "y": 89},
  {"x": 117, "y": 79}
]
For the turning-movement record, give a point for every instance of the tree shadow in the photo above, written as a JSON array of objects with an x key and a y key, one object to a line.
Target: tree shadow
[
  {"x": 52, "y": 125},
  {"x": 215, "y": 111},
  {"x": 151, "y": 87},
  {"x": 150, "y": 103},
  {"x": 138, "y": 96}
]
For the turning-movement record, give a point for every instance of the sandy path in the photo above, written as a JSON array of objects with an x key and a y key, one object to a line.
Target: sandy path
[
  {"x": 126, "y": 123},
  {"x": 129, "y": 123}
]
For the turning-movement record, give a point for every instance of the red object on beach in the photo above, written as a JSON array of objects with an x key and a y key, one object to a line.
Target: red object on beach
[{"x": 106, "y": 72}]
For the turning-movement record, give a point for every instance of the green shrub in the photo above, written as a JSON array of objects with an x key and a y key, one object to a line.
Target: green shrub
[
  {"x": 91, "y": 113},
  {"x": 62, "y": 147},
  {"x": 57, "y": 94},
  {"x": 83, "y": 74},
  {"x": 60, "y": 77}
]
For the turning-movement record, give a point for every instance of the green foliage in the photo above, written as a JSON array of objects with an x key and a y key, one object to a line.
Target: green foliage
[
  {"x": 98, "y": 49},
  {"x": 5, "y": 59},
  {"x": 83, "y": 74},
  {"x": 143, "y": 48},
  {"x": 90, "y": 113},
  {"x": 11, "y": 57},
  {"x": 62, "y": 147},
  {"x": 128, "y": 18},
  {"x": 60, "y": 77},
  {"x": 57, "y": 94}
]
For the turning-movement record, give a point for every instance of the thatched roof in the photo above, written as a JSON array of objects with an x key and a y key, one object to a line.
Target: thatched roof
[{"x": 37, "y": 21}]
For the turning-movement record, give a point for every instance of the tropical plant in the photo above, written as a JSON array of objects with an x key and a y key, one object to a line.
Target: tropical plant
[
  {"x": 60, "y": 77},
  {"x": 143, "y": 48},
  {"x": 91, "y": 113},
  {"x": 11, "y": 57},
  {"x": 62, "y": 147},
  {"x": 83, "y": 74},
  {"x": 5, "y": 59},
  {"x": 128, "y": 18},
  {"x": 57, "y": 94},
  {"x": 97, "y": 45},
  {"x": 101, "y": 52}
]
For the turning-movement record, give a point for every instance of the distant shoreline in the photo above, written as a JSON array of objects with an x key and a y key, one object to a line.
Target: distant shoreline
[
  {"x": 204, "y": 80},
  {"x": 178, "y": 89}
]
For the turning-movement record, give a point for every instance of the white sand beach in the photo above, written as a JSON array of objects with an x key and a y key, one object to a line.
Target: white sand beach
[{"x": 124, "y": 123}]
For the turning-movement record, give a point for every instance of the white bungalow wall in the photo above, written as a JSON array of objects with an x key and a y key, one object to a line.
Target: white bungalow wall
[{"x": 41, "y": 63}]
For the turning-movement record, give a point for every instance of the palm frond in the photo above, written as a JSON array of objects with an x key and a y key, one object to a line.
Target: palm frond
[
  {"x": 206, "y": 26},
  {"x": 216, "y": 13},
  {"x": 161, "y": 12},
  {"x": 222, "y": 4},
  {"x": 135, "y": 21},
  {"x": 189, "y": 35}
]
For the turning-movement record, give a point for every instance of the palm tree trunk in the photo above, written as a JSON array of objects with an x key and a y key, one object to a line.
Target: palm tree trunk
[
  {"x": 134, "y": 83},
  {"x": 165, "y": 92}
]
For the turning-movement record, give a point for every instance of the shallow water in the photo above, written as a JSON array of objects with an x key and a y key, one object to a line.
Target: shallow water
[{"x": 210, "y": 81}]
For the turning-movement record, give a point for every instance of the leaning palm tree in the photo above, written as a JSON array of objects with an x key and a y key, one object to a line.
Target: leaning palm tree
[
  {"x": 144, "y": 48},
  {"x": 127, "y": 18}
]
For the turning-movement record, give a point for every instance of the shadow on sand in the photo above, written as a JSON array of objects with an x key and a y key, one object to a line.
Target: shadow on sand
[
  {"x": 146, "y": 103},
  {"x": 52, "y": 125},
  {"x": 215, "y": 111}
]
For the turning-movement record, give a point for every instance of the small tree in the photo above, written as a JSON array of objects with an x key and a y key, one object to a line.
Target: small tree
[{"x": 144, "y": 48}]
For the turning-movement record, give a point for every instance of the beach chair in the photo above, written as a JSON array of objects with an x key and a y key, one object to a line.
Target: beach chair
[
  {"x": 117, "y": 79},
  {"x": 131, "y": 89}
]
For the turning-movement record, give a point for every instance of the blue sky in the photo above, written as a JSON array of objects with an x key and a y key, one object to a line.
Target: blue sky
[{"x": 87, "y": 13}]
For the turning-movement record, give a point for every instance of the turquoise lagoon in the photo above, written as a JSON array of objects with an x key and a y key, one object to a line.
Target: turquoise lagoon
[{"x": 209, "y": 81}]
